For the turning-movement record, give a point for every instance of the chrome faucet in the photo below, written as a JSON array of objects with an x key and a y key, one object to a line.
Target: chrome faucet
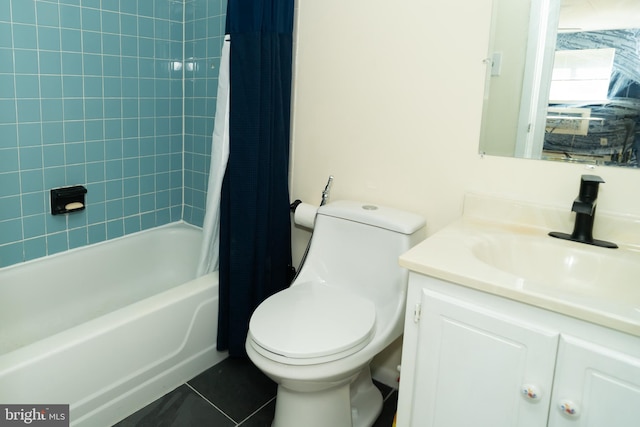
[{"x": 585, "y": 208}]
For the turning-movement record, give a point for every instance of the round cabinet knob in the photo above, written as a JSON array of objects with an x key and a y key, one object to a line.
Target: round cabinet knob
[
  {"x": 530, "y": 392},
  {"x": 569, "y": 408}
]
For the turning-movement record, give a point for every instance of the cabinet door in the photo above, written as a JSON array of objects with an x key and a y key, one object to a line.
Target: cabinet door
[
  {"x": 595, "y": 386},
  {"x": 480, "y": 367}
]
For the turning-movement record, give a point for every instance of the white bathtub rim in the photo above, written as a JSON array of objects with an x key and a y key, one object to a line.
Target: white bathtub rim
[
  {"x": 89, "y": 419},
  {"x": 18, "y": 358},
  {"x": 25, "y": 279},
  {"x": 175, "y": 224},
  {"x": 157, "y": 362}
]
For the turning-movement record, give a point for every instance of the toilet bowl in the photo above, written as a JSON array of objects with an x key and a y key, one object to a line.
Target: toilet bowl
[{"x": 316, "y": 338}]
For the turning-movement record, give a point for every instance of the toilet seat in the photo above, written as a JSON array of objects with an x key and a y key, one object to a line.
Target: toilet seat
[{"x": 312, "y": 323}]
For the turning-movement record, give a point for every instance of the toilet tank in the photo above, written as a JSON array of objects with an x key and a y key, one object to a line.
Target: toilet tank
[{"x": 356, "y": 246}]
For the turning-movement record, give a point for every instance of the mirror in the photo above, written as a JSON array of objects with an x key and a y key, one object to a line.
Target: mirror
[{"x": 563, "y": 81}]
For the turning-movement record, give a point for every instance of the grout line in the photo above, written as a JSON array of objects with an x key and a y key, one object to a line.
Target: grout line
[
  {"x": 184, "y": 38},
  {"x": 209, "y": 402},
  {"x": 257, "y": 410}
]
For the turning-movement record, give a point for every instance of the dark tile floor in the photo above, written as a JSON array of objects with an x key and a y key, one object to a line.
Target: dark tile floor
[{"x": 233, "y": 393}]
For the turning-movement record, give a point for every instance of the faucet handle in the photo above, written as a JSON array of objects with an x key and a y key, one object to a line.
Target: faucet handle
[
  {"x": 585, "y": 208},
  {"x": 589, "y": 187},
  {"x": 592, "y": 178}
]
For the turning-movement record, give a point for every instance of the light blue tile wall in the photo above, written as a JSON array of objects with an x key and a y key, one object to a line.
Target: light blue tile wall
[
  {"x": 204, "y": 35},
  {"x": 92, "y": 93}
]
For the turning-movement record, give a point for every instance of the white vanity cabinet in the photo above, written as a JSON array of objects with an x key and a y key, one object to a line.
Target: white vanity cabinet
[
  {"x": 604, "y": 383},
  {"x": 475, "y": 359}
]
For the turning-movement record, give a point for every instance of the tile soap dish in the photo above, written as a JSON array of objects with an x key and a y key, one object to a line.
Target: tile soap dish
[{"x": 67, "y": 199}]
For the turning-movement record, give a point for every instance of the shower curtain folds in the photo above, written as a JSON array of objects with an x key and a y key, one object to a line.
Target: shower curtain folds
[
  {"x": 210, "y": 254},
  {"x": 255, "y": 234}
]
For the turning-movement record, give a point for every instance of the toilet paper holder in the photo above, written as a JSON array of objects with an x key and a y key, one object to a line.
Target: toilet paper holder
[
  {"x": 67, "y": 199},
  {"x": 294, "y": 205}
]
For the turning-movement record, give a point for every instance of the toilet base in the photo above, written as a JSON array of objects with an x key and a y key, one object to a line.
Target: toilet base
[
  {"x": 353, "y": 404},
  {"x": 366, "y": 400}
]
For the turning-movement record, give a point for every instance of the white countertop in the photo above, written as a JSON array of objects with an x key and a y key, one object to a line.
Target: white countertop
[{"x": 501, "y": 247}]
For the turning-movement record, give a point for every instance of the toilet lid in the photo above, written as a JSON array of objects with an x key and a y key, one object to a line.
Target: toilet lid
[{"x": 313, "y": 320}]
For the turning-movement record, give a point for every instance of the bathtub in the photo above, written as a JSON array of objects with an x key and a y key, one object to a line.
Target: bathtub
[{"x": 110, "y": 327}]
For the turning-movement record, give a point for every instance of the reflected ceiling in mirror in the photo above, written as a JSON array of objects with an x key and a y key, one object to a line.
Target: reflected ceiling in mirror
[{"x": 545, "y": 58}]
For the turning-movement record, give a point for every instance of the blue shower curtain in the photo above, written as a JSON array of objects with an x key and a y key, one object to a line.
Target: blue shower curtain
[{"x": 255, "y": 233}]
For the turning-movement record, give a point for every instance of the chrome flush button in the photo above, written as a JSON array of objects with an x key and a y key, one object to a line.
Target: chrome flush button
[{"x": 369, "y": 207}]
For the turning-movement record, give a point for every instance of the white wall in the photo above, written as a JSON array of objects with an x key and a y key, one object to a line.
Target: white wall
[{"x": 388, "y": 99}]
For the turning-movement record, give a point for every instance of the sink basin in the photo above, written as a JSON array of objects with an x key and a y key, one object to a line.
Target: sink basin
[
  {"x": 564, "y": 268},
  {"x": 504, "y": 249}
]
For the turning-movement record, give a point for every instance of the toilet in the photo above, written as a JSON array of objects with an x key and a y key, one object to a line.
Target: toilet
[{"x": 316, "y": 338}]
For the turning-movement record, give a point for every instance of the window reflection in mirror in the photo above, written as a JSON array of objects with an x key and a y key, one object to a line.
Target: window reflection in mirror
[
  {"x": 596, "y": 81},
  {"x": 536, "y": 109},
  {"x": 581, "y": 75}
]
